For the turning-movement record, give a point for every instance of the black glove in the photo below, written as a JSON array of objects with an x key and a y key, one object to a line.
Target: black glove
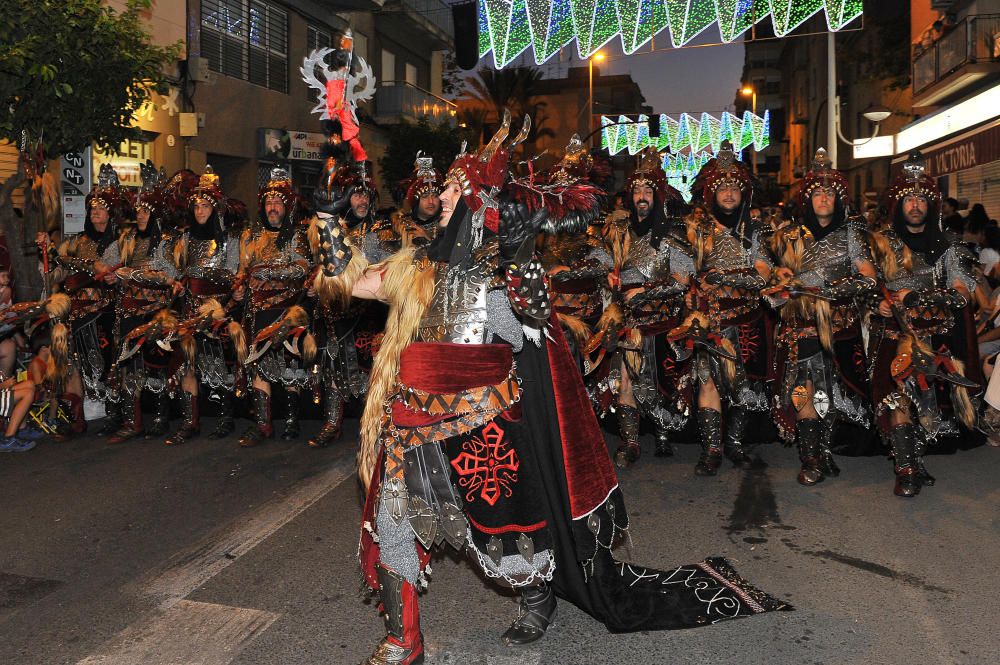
[{"x": 517, "y": 225}]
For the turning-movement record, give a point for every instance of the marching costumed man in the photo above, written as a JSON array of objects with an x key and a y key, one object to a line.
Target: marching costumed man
[
  {"x": 824, "y": 275},
  {"x": 419, "y": 223},
  {"x": 925, "y": 358},
  {"x": 575, "y": 259},
  {"x": 478, "y": 431},
  {"x": 146, "y": 279},
  {"x": 207, "y": 257},
  {"x": 644, "y": 303},
  {"x": 273, "y": 269},
  {"x": 85, "y": 265},
  {"x": 722, "y": 344}
]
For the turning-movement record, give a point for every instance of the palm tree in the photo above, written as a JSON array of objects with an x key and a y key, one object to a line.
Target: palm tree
[{"x": 515, "y": 88}]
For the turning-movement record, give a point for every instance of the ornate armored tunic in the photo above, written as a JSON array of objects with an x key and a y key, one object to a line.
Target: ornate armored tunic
[
  {"x": 78, "y": 257},
  {"x": 274, "y": 275},
  {"x": 576, "y": 291},
  {"x": 146, "y": 274},
  {"x": 208, "y": 268}
]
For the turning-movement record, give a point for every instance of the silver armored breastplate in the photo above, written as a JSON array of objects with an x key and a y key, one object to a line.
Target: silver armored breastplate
[
  {"x": 141, "y": 259},
  {"x": 458, "y": 311},
  {"x": 205, "y": 257},
  {"x": 921, "y": 276},
  {"x": 826, "y": 260},
  {"x": 727, "y": 253},
  {"x": 643, "y": 257}
]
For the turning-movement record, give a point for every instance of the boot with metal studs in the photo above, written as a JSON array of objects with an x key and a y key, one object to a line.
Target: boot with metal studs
[
  {"x": 403, "y": 643},
  {"x": 191, "y": 424},
  {"x": 226, "y": 423},
  {"x": 537, "y": 612},
  {"x": 262, "y": 428},
  {"x": 808, "y": 434},
  {"x": 131, "y": 426},
  {"x": 161, "y": 418},
  {"x": 331, "y": 429},
  {"x": 921, "y": 448},
  {"x": 902, "y": 438},
  {"x": 291, "y": 431},
  {"x": 736, "y": 424},
  {"x": 628, "y": 429},
  {"x": 710, "y": 429},
  {"x": 827, "y": 464},
  {"x": 663, "y": 447}
]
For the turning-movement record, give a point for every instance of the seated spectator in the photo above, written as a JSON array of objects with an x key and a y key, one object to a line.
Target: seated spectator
[
  {"x": 16, "y": 398},
  {"x": 978, "y": 214},
  {"x": 974, "y": 234}
]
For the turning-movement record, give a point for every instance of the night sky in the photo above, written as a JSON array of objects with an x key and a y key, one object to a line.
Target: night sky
[{"x": 674, "y": 81}]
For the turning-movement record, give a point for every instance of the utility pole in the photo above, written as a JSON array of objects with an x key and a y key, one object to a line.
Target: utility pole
[{"x": 833, "y": 102}]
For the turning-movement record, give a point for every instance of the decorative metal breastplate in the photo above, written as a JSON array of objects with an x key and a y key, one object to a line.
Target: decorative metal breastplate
[
  {"x": 141, "y": 258},
  {"x": 826, "y": 260},
  {"x": 727, "y": 253},
  {"x": 921, "y": 276},
  {"x": 204, "y": 254},
  {"x": 458, "y": 311},
  {"x": 653, "y": 264}
]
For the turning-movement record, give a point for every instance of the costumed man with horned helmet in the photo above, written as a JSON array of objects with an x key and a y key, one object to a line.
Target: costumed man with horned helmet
[
  {"x": 925, "y": 359},
  {"x": 146, "y": 279},
  {"x": 643, "y": 303},
  {"x": 824, "y": 274},
  {"x": 85, "y": 265},
  {"x": 422, "y": 207},
  {"x": 207, "y": 257},
  {"x": 722, "y": 345},
  {"x": 273, "y": 269},
  {"x": 575, "y": 259},
  {"x": 478, "y": 431}
]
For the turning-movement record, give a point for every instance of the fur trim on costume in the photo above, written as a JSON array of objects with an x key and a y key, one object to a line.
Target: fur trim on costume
[
  {"x": 58, "y": 367},
  {"x": 581, "y": 331},
  {"x": 885, "y": 258},
  {"x": 960, "y": 400},
  {"x": 239, "y": 340},
  {"x": 336, "y": 291},
  {"x": 58, "y": 306},
  {"x": 408, "y": 286}
]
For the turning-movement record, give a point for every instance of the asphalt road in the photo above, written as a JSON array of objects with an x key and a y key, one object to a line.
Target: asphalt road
[{"x": 211, "y": 555}]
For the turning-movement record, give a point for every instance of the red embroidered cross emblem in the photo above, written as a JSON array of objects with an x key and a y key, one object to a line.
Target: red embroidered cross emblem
[{"x": 487, "y": 466}]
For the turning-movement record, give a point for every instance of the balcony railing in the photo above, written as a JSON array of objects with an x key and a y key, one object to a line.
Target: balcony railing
[
  {"x": 400, "y": 100},
  {"x": 974, "y": 39}
]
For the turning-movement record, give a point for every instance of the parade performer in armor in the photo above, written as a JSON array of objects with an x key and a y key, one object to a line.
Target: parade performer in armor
[
  {"x": 350, "y": 329},
  {"x": 477, "y": 431},
  {"x": 146, "y": 276},
  {"x": 724, "y": 258},
  {"x": 824, "y": 276},
  {"x": 419, "y": 222},
  {"x": 644, "y": 303},
  {"x": 575, "y": 259},
  {"x": 273, "y": 269},
  {"x": 85, "y": 265},
  {"x": 925, "y": 358},
  {"x": 207, "y": 257}
]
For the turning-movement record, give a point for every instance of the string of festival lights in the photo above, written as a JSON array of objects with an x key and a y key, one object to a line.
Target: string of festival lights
[{"x": 509, "y": 27}]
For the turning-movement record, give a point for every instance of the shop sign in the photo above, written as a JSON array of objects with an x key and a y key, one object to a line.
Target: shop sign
[
  {"x": 74, "y": 177},
  {"x": 281, "y": 145},
  {"x": 126, "y": 162},
  {"x": 981, "y": 146}
]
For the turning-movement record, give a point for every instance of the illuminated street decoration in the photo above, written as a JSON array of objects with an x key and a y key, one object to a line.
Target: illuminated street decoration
[
  {"x": 510, "y": 27},
  {"x": 686, "y": 133},
  {"x": 682, "y": 169}
]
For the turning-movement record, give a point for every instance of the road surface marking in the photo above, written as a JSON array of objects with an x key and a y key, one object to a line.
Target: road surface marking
[{"x": 186, "y": 632}]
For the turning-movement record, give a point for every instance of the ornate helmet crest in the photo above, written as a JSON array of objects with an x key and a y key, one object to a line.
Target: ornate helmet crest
[
  {"x": 576, "y": 163},
  {"x": 423, "y": 181},
  {"x": 207, "y": 189},
  {"x": 355, "y": 177},
  {"x": 484, "y": 172},
  {"x": 821, "y": 174},
  {"x": 152, "y": 197},
  {"x": 110, "y": 194},
  {"x": 278, "y": 186},
  {"x": 725, "y": 171},
  {"x": 649, "y": 173},
  {"x": 913, "y": 181}
]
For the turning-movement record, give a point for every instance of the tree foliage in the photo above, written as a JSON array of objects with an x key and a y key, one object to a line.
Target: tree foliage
[
  {"x": 441, "y": 142},
  {"x": 74, "y": 71},
  {"x": 514, "y": 88}
]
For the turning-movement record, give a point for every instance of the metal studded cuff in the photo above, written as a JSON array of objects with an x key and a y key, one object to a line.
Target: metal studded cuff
[{"x": 528, "y": 290}]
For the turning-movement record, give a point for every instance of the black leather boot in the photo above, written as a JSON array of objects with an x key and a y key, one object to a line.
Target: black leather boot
[
  {"x": 902, "y": 438},
  {"x": 808, "y": 434},
  {"x": 112, "y": 417},
  {"x": 710, "y": 430},
  {"x": 736, "y": 425},
  {"x": 536, "y": 614},
  {"x": 226, "y": 423},
  {"x": 291, "y": 431},
  {"x": 131, "y": 419},
  {"x": 334, "y": 412},
  {"x": 628, "y": 429},
  {"x": 161, "y": 419},
  {"x": 663, "y": 447},
  {"x": 190, "y": 425},
  {"x": 921, "y": 449},
  {"x": 827, "y": 464},
  {"x": 262, "y": 428}
]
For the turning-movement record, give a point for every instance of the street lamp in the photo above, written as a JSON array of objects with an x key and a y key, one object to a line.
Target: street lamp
[
  {"x": 874, "y": 113},
  {"x": 750, "y": 91},
  {"x": 590, "y": 97}
]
